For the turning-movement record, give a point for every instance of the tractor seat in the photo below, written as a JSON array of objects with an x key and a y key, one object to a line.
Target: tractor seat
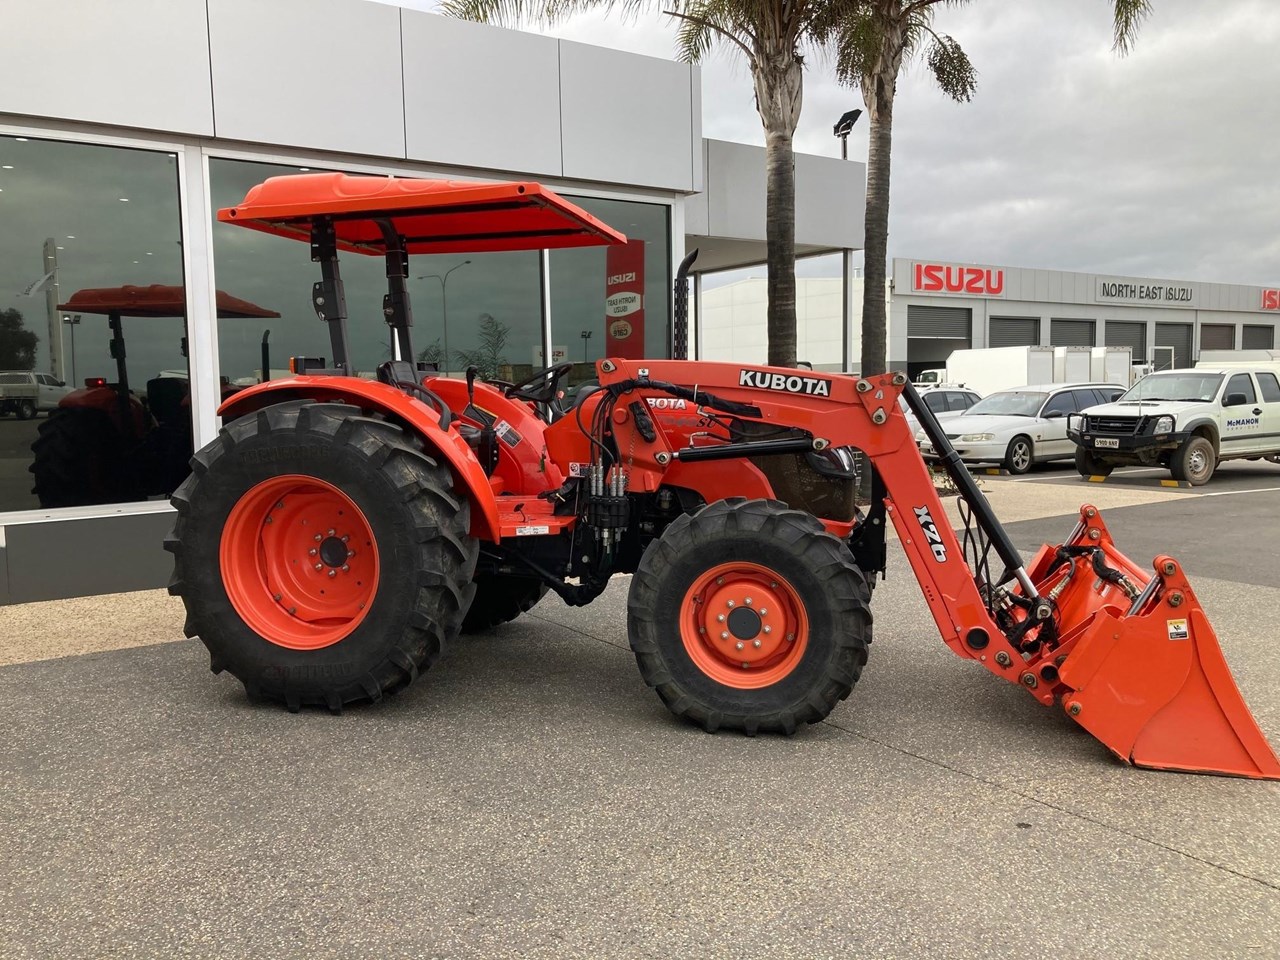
[{"x": 165, "y": 396}]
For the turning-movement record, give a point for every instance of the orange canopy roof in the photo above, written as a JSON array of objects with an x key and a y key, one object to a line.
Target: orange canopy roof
[
  {"x": 155, "y": 301},
  {"x": 433, "y": 216}
]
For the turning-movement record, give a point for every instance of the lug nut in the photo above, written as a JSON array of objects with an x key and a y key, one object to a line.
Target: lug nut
[
  {"x": 279, "y": 504},
  {"x": 345, "y": 568},
  {"x": 318, "y": 538},
  {"x": 312, "y": 552},
  {"x": 319, "y": 566},
  {"x": 756, "y": 644},
  {"x": 268, "y": 519},
  {"x": 745, "y": 665},
  {"x": 293, "y": 611},
  {"x": 764, "y": 611},
  {"x": 331, "y": 531},
  {"x": 350, "y": 554},
  {"x": 345, "y": 539},
  {"x": 747, "y": 601},
  {"x": 719, "y": 581},
  {"x": 791, "y": 636},
  {"x": 720, "y": 618},
  {"x": 724, "y": 635},
  {"x": 275, "y": 597},
  {"x": 739, "y": 645},
  {"x": 332, "y": 574},
  {"x": 774, "y": 585},
  {"x": 768, "y": 629},
  {"x": 731, "y": 603}
]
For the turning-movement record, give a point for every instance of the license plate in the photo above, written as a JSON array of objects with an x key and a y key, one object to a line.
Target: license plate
[{"x": 1105, "y": 443}]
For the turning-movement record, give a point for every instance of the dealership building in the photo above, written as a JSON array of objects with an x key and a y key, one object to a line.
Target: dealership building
[
  {"x": 938, "y": 306},
  {"x": 125, "y": 126}
]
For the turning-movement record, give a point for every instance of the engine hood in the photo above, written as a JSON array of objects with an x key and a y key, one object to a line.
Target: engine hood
[{"x": 1147, "y": 408}]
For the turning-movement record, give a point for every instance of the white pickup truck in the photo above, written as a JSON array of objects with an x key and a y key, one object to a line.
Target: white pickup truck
[
  {"x": 1186, "y": 420},
  {"x": 26, "y": 393}
]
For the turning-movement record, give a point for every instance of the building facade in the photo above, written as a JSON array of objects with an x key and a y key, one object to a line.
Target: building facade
[{"x": 125, "y": 128}]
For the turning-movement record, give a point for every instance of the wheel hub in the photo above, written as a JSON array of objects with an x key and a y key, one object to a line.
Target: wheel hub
[
  {"x": 744, "y": 625},
  {"x": 333, "y": 551}
]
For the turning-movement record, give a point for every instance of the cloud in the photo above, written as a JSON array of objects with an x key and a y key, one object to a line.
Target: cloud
[{"x": 1069, "y": 157}]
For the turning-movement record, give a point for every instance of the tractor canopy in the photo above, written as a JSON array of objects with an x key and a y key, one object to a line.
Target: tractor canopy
[
  {"x": 430, "y": 216},
  {"x": 156, "y": 300}
]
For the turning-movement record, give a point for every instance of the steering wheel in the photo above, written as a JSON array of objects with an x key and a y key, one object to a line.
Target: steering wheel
[{"x": 539, "y": 387}]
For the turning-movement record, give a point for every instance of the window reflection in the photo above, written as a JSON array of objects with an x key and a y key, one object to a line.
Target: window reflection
[
  {"x": 85, "y": 422},
  {"x": 594, "y": 290}
]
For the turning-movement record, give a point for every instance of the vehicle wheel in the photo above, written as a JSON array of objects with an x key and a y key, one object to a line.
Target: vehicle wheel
[
  {"x": 322, "y": 555},
  {"x": 78, "y": 459},
  {"x": 1018, "y": 458},
  {"x": 1087, "y": 465},
  {"x": 499, "y": 600},
  {"x": 26, "y": 410},
  {"x": 796, "y": 621},
  {"x": 1194, "y": 461}
]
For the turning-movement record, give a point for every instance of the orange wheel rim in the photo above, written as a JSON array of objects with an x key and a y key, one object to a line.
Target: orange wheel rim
[
  {"x": 743, "y": 625},
  {"x": 299, "y": 562}
]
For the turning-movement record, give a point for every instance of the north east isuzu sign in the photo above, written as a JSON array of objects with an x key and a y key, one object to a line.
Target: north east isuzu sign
[
  {"x": 957, "y": 278},
  {"x": 1150, "y": 292},
  {"x": 1271, "y": 299}
]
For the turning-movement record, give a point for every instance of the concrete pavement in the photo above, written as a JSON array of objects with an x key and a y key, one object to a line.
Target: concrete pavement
[{"x": 530, "y": 797}]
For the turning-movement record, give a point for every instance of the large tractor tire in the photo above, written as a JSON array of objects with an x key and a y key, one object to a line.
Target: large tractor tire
[
  {"x": 499, "y": 600},
  {"x": 79, "y": 459},
  {"x": 749, "y": 616},
  {"x": 322, "y": 555}
]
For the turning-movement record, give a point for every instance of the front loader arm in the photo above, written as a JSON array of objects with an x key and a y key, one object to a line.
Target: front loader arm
[{"x": 1129, "y": 655}]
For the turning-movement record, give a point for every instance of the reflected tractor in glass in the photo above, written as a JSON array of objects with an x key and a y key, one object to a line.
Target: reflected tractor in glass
[{"x": 341, "y": 531}]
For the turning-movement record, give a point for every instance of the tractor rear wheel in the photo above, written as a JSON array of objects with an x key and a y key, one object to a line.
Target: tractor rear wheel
[
  {"x": 749, "y": 616},
  {"x": 79, "y": 459},
  {"x": 499, "y": 600},
  {"x": 322, "y": 554}
]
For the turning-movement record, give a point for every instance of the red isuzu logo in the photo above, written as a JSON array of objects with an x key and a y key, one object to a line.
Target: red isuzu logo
[
  {"x": 940, "y": 278},
  {"x": 1271, "y": 299}
]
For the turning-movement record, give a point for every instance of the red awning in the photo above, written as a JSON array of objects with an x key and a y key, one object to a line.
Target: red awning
[
  {"x": 434, "y": 216},
  {"x": 155, "y": 301}
]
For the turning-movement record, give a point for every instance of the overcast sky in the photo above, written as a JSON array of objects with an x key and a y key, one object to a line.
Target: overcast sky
[{"x": 1163, "y": 163}]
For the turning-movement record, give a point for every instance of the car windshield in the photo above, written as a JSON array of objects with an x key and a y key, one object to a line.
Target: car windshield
[
  {"x": 1011, "y": 403},
  {"x": 1175, "y": 386}
]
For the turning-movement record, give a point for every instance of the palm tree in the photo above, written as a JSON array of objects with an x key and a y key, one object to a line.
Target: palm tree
[
  {"x": 773, "y": 36},
  {"x": 872, "y": 46}
]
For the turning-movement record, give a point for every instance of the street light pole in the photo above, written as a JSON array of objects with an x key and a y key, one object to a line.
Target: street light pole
[
  {"x": 586, "y": 336},
  {"x": 444, "y": 308}
]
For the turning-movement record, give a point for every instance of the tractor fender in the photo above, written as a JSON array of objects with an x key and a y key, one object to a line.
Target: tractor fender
[
  {"x": 107, "y": 400},
  {"x": 414, "y": 414}
]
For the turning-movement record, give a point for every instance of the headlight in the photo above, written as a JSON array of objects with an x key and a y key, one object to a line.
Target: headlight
[
  {"x": 1164, "y": 425},
  {"x": 1075, "y": 422},
  {"x": 976, "y": 437}
]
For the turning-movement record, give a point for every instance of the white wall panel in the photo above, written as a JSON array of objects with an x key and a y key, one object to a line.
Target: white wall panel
[
  {"x": 480, "y": 96},
  {"x": 308, "y": 73},
  {"x": 136, "y": 63},
  {"x": 625, "y": 118}
]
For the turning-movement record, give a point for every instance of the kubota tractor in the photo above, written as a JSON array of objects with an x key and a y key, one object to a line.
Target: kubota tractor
[
  {"x": 339, "y": 532},
  {"x": 103, "y": 444}
]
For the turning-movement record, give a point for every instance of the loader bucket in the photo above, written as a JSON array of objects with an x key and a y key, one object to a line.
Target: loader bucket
[{"x": 1146, "y": 676}]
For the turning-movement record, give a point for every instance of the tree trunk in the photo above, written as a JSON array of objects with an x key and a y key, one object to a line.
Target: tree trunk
[
  {"x": 879, "y": 85},
  {"x": 778, "y": 96}
]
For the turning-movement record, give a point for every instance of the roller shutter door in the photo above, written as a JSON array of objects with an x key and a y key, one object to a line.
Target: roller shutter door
[
  {"x": 1178, "y": 336},
  {"x": 1258, "y": 337},
  {"x": 1071, "y": 333},
  {"x": 1217, "y": 336},
  {"x": 1014, "y": 332},
  {"x": 939, "y": 323},
  {"x": 1124, "y": 333}
]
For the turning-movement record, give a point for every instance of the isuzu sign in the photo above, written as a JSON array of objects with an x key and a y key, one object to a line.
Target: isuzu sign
[
  {"x": 1271, "y": 299},
  {"x": 953, "y": 278},
  {"x": 624, "y": 301}
]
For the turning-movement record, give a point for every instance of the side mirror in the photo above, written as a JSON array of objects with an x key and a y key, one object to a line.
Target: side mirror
[
  {"x": 62, "y": 383},
  {"x": 1054, "y": 415},
  {"x": 1235, "y": 400}
]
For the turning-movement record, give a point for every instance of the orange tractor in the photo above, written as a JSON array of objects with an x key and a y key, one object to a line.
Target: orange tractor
[{"x": 339, "y": 532}]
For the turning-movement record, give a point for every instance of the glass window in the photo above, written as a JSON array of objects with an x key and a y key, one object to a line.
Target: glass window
[
  {"x": 1184, "y": 385},
  {"x": 963, "y": 401},
  {"x": 1064, "y": 402},
  {"x": 1241, "y": 383},
  {"x": 1270, "y": 387},
  {"x": 613, "y": 301},
  {"x": 1009, "y": 403},
  {"x": 90, "y": 231},
  {"x": 936, "y": 400}
]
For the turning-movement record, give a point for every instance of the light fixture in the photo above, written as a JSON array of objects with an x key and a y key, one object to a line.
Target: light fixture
[
  {"x": 62, "y": 248},
  {"x": 305, "y": 169},
  {"x": 150, "y": 254},
  {"x": 124, "y": 199},
  {"x": 70, "y": 238},
  {"x": 7, "y": 166},
  {"x": 21, "y": 139}
]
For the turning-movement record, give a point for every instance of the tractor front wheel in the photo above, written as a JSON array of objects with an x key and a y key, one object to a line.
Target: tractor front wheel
[
  {"x": 322, "y": 554},
  {"x": 749, "y": 616}
]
